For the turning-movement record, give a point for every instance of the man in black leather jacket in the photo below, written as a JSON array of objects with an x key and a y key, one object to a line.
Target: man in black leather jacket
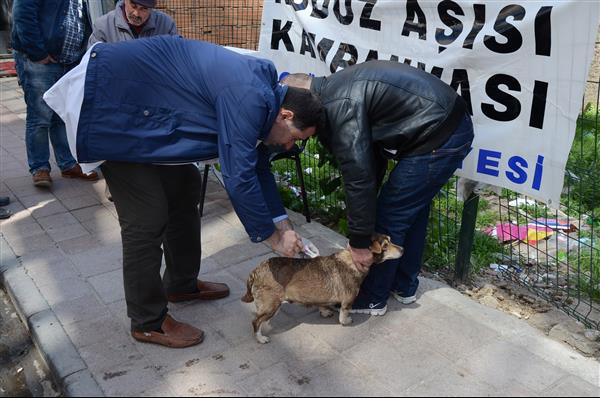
[{"x": 382, "y": 110}]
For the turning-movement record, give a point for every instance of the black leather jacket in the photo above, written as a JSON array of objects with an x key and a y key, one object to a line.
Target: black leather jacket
[{"x": 379, "y": 105}]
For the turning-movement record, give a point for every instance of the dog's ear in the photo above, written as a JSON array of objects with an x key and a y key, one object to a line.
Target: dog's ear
[{"x": 376, "y": 247}]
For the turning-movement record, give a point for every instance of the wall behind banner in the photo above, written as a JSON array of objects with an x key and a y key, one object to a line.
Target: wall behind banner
[
  {"x": 228, "y": 22},
  {"x": 590, "y": 93}
]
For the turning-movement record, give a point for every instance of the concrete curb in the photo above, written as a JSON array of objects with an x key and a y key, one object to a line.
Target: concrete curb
[{"x": 66, "y": 365}]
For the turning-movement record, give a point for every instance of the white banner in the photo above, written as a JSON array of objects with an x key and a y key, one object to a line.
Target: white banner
[{"x": 521, "y": 66}]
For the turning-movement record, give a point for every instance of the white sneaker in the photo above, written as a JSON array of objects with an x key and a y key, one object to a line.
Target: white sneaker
[
  {"x": 371, "y": 310},
  {"x": 404, "y": 300}
]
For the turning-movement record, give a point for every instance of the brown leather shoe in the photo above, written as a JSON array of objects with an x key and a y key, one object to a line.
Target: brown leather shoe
[
  {"x": 75, "y": 172},
  {"x": 206, "y": 291},
  {"x": 42, "y": 179},
  {"x": 175, "y": 335}
]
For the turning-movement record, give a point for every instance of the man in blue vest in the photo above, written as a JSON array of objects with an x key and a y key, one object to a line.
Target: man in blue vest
[{"x": 167, "y": 100}]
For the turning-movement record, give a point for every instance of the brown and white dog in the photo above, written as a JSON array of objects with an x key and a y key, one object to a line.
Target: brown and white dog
[{"x": 320, "y": 281}]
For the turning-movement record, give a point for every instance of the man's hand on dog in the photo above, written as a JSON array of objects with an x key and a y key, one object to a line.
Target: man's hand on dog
[
  {"x": 363, "y": 258},
  {"x": 287, "y": 243}
]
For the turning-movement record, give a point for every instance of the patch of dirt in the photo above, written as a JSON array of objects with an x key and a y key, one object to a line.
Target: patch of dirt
[
  {"x": 112, "y": 375},
  {"x": 22, "y": 371}
]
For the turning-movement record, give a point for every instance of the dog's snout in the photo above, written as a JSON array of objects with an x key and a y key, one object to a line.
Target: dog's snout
[{"x": 394, "y": 251}]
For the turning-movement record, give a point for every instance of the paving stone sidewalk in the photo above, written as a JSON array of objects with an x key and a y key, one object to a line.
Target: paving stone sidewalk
[{"x": 61, "y": 262}]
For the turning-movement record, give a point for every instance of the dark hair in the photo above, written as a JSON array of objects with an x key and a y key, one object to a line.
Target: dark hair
[{"x": 307, "y": 107}]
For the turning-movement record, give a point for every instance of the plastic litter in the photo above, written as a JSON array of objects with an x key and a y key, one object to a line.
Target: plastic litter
[
  {"x": 310, "y": 249},
  {"x": 505, "y": 268},
  {"x": 522, "y": 201},
  {"x": 555, "y": 224},
  {"x": 526, "y": 233}
]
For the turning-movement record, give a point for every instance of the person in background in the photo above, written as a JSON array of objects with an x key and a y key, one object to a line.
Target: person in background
[
  {"x": 131, "y": 20},
  {"x": 48, "y": 38}
]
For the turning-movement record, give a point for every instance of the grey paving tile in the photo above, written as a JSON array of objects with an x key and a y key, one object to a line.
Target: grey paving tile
[
  {"x": 339, "y": 378},
  {"x": 196, "y": 312},
  {"x": 159, "y": 391},
  {"x": 235, "y": 324},
  {"x": 109, "y": 286},
  {"x": 30, "y": 244},
  {"x": 81, "y": 309},
  {"x": 80, "y": 244},
  {"x": 573, "y": 386},
  {"x": 457, "y": 382},
  {"x": 118, "y": 310},
  {"x": 101, "y": 224},
  {"x": 559, "y": 355},
  {"x": 67, "y": 233},
  {"x": 57, "y": 290},
  {"x": 501, "y": 364},
  {"x": 91, "y": 213},
  {"x": 342, "y": 338},
  {"x": 90, "y": 262},
  {"x": 213, "y": 227},
  {"x": 460, "y": 336},
  {"x": 239, "y": 252},
  {"x": 45, "y": 270},
  {"x": 48, "y": 208},
  {"x": 24, "y": 186},
  {"x": 405, "y": 364},
  {"x": 130, "y": 379},
  {"x": 213, "y": 376},
  {"x": 303, "y": 350},
  {"x": 104, "y": 357},
  {"x": 22, "y": 230},
  {"x": 20, "y": 213},
  {"x": 278, "y": 380},
  {"x": 79, "y": 202},
  {"x": 57, "y": 221},
  {"x": 209, "y": 267},
  {"x": 103, "y": 329}
]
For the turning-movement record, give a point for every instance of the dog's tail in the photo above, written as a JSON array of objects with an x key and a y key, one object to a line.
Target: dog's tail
[{"x": 248, "y": 297}]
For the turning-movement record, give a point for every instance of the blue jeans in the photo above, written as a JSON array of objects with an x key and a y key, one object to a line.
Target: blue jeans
[
  {"x": 403, "y": 213},
  {"x": 43, "y": 124}
]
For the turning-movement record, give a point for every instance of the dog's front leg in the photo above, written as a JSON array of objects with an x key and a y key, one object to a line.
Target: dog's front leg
[{"x": 345, "y": 318}]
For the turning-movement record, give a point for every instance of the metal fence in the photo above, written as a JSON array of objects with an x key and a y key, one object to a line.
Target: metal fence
[{"x": 561, "y": 264}]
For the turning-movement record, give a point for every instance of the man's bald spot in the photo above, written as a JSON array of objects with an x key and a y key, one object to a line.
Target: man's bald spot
[{"x": 301, "y": 80}]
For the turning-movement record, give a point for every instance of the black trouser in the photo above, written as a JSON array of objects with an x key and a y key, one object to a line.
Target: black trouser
[{"x": 157, "y": 205}]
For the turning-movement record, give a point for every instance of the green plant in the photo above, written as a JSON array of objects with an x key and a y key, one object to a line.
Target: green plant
[
  {"x": 583, "y": 167},
  {"x": 322, "y": 184},
  {"x": 486, "y": 216},
  {"x": 538, "y": 211},
  {"x": 485, "y": 250}
]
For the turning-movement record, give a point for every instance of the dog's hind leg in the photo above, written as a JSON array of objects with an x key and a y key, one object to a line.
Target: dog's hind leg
[
  {"x": 264, "y": 312},
  {"x": 326, "y": 312}
]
